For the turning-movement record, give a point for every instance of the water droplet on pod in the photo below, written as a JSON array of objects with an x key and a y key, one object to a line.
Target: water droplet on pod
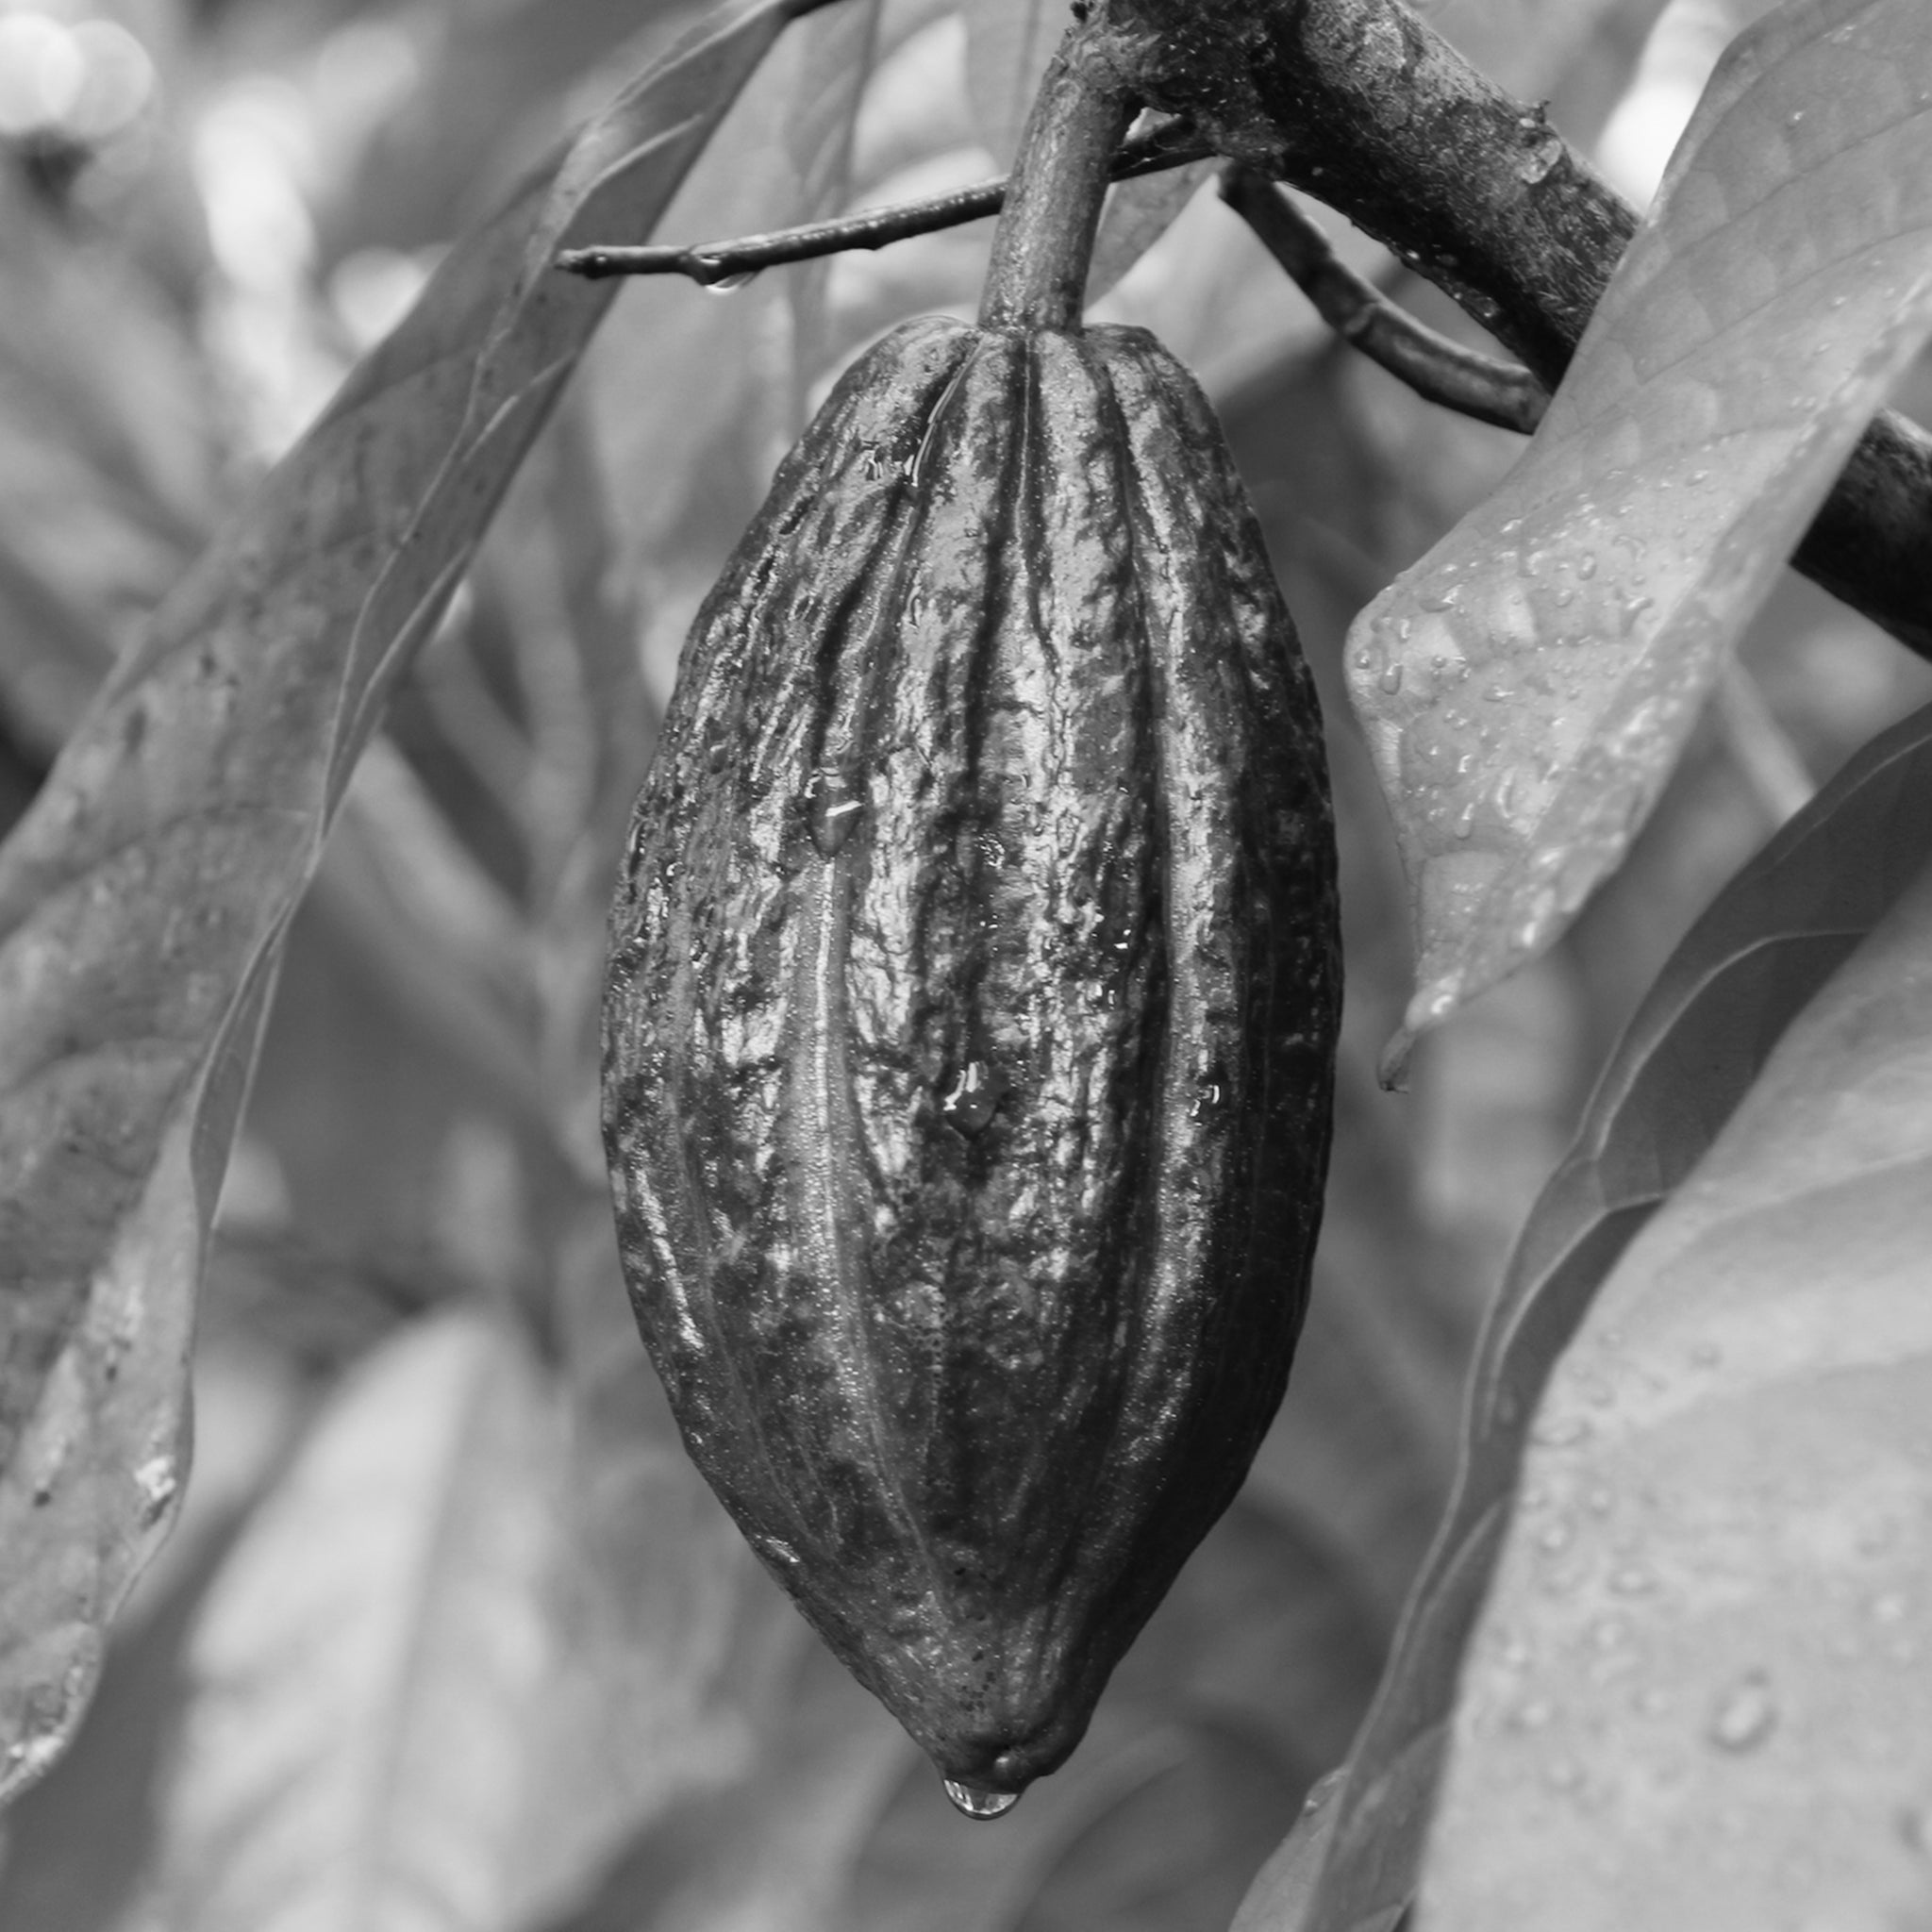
[
  {"x": 833, "y": 805},
  {"x": 968, "y": 1101}
]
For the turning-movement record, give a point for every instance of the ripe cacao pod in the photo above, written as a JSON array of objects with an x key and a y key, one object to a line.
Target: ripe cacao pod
[{"x": 971, "y": 1023}]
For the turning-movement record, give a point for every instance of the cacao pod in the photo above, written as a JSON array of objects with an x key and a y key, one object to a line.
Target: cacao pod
[{"x": 971, "y": 1023}]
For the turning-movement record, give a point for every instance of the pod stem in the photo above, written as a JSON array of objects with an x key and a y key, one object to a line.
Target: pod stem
[{"x": 1037, "y": 277}]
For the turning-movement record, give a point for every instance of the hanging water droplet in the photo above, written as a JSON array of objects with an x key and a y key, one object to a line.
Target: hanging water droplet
[
  {"x": 1744, "y": 1715},
  {"x": 833, "y": 805},
  {"x": 729, "y": 285},
  {"x": 978, "y": 1804}
]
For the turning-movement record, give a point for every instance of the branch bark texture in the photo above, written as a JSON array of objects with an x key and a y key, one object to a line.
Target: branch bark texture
[{"x": 1362, "y": 105}]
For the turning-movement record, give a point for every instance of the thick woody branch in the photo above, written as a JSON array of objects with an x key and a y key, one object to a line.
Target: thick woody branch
[
  {"x": 1362, "y": 105},
  {"x": 1442, "y": 371}
]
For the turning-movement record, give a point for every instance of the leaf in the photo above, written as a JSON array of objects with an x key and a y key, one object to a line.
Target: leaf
[
  {"x": 697, "y": 394},
  {"x": 647, "y": 1702},
  {"x": 1768, "y": 942},
  {"x": 413, "y": 1688},
  {"x": 1697, "y": 1691},
  {"x": 1009, "y": 43},
  {"x": 1138, "y": 214},
  {"x": 144, "y": 898},
  {"x": 1284, "y": 1886},
  {"x": 104, "y": 484},
  {"x": 836, "y": 58},
  {"x": 369, "y": 1665},
  {"x": 1528, "y": 685}
]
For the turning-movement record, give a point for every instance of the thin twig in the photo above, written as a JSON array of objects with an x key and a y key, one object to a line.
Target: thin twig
[
  {"x": 715, "y": 263},
  {"x": 1491, "y": 391}
]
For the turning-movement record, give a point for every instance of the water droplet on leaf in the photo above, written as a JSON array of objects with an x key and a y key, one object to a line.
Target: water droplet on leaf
[
  {"x": 158, "y": 1482},
  {"x": 1745, "y": 1715}
]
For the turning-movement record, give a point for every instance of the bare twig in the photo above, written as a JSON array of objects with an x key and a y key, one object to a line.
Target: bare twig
[
  {"x": 1491, "y": 391},
  {"x": 716, "y": 262}
]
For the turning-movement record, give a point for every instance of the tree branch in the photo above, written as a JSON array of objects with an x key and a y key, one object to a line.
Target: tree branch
[
  {"x": 1362, "y": 105},
  {"x": 1442, "y": 371}
]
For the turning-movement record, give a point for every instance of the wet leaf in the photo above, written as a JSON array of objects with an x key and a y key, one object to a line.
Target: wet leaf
[
  {"x": 1697, "y": 1691},
  {"x": 144, "y": 898},
  {"x": 1773, "y": 938},
  {"x": 1528, "y": 685}
]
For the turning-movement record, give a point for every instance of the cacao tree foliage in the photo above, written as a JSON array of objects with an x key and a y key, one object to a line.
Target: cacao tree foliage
[{"x": 345, "y": 553}]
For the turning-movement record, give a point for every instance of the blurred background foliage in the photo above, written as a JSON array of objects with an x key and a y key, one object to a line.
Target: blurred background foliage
[{"x": 414, "y": 1341}]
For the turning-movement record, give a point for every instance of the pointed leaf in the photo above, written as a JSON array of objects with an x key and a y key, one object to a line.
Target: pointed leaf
[
  {"x": 1697, "y": 1692},
  {"x": 1770, "y": 940},
  {"x": 144, "y": 897},
  {"x": 1528, "y": 685}
]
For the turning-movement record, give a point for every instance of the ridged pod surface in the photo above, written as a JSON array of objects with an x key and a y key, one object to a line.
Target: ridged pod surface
[{"x": 971, "y": 1021}]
